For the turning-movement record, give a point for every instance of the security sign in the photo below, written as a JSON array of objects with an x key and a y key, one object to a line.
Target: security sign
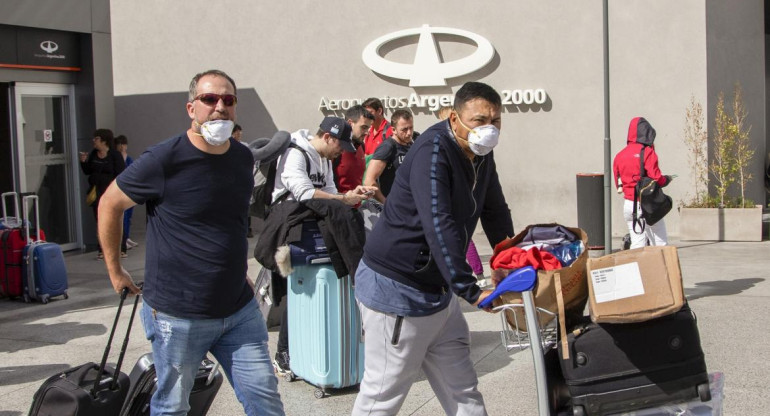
[{"x": 427, "y": 69}]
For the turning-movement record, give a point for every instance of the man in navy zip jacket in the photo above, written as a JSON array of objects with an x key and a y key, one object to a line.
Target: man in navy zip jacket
[{"x": 414, "y": 267}]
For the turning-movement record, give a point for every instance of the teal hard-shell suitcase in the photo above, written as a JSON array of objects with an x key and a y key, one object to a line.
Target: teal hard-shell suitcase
[{"x": 325, "y": 339}]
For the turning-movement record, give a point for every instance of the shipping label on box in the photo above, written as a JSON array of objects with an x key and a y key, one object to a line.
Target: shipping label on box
[
  {"x": 635, "y": 285},
  {"x": 617, "y": 282}
]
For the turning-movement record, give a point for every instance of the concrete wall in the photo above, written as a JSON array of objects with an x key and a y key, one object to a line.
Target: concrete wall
[
  {"x": 287, "y": 55},
  {"x": 67, "y": 15},
  {"x": 736, "y": 54},
  {"x": 657, "y": 63},
  {"x": 83, "y": 16}
]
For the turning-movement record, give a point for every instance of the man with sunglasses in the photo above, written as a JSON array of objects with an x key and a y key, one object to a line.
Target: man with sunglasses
[
  {"x": 380, "y": 129},
  {"x": 196, "y": 295}
]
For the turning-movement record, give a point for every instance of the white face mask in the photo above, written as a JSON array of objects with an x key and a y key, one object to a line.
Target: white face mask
[
  {"x": 481, "y": 139},
  {"x": 217, "y": 132}
]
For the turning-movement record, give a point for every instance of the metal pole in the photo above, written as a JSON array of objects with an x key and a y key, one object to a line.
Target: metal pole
[
  {"x": 608, "y": 185},
  {"x": 536, "y": 345}
]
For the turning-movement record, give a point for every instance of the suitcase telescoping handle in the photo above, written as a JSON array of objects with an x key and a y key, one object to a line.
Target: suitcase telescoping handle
[
  {"x": 213, "y": 374},
  {"x": 123, "y": 348},
  {"x": 28, "y": 223},
  {"x": 8, "y": 220},
  {"x": 102, "y": 365}
]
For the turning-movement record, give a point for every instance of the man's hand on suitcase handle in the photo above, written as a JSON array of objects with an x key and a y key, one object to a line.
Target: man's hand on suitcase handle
[{"x": 122, "y": 280}]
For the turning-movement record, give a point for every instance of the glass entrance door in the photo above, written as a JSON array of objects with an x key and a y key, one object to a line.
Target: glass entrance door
[{"x": 45, "y": 126}]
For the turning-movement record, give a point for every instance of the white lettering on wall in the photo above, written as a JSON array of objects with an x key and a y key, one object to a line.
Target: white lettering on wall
[{"x": 434, "y": 102}]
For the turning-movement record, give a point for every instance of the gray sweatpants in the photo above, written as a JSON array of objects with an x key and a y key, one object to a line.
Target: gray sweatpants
[{"x": 438, "y": 344}]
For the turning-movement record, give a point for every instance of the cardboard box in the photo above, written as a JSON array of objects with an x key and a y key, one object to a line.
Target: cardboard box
[
  {"x": 573, "y": 282},
  {"x": 635, "y": 285}
]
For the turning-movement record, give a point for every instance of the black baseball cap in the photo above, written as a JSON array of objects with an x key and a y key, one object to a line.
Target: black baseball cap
[{"x": 340, "y": 130}]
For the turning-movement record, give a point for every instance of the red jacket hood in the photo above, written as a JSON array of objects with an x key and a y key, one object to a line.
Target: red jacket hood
[
  {"x": 640, "y": 131},
  {"x": 626, "y": 164}
]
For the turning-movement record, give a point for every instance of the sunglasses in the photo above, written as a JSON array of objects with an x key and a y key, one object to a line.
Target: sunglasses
[{"x": 212, "y": 99}]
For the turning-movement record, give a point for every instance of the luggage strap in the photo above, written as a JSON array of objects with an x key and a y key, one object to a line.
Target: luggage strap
[
  {"x": 636, "y": 220},
  {"x": 114, "y": 382},
  {"x": 562, "y": 318}
]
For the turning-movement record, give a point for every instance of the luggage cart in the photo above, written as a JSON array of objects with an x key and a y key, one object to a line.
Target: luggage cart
[
  {"x": 541, "y": 341},
  {"x": 552, "y": 395}
]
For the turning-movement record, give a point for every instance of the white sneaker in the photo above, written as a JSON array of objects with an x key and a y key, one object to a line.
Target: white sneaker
[
  {"x": 484, "y": 283},
  {"x": 131, "y": 243}
]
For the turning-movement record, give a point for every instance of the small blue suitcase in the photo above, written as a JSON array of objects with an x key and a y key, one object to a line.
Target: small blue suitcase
[
  {"x": 43, "y": 270},
  {"x": 325, "y": 339},
  {"x": 325, "y": 336}
]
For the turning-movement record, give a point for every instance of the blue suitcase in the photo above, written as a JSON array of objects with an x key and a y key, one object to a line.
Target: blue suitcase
[
  {"x": 311, "y": 249},
  {"x": 325, "y": 339},
  {"x": 43, "y": 270}
]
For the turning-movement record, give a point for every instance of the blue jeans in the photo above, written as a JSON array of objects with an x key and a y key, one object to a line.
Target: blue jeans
[
  {"x": 238, "y": 342},
  {"x": 127, "y": 214}
]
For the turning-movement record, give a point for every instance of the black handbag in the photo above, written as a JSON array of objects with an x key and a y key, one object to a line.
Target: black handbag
[{"x": 649, "y": 196}]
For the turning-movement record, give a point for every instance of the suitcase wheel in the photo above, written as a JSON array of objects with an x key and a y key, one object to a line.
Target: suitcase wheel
[
  {"x": 319, "y": 393},
  {"x": 578, "y": 411},
  {"x": 704, "y": 392},
  {"x": 289, "y": 376}
]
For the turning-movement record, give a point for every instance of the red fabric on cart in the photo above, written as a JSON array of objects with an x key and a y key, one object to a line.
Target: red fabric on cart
[{"x": 515, "y": 257}]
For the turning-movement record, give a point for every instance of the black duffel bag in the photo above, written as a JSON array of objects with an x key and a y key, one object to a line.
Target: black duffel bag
[{"x": 649, "y": 197}]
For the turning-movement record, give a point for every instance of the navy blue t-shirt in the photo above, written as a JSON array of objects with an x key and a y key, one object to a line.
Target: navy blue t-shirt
[{"x": 197, "y": 206}]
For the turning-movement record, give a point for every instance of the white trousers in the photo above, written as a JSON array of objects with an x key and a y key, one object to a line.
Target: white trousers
[
  {"x": 438, "y": 344},
  {"x": 655, "y": 234}
]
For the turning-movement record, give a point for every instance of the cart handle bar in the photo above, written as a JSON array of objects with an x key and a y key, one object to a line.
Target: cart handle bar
[{"x": 519, "y": 280}]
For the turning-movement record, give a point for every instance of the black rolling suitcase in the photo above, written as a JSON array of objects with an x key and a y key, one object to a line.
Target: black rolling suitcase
[
  {"x": 143, "y": 386},
  {"x": 620, "y": 367},
  {"x": 88, "y": 389}
]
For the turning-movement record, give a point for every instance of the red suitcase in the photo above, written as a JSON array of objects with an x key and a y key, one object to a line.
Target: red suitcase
[
  {"x": 8, "y": 221},
  {"x": 12, "y": 244}
]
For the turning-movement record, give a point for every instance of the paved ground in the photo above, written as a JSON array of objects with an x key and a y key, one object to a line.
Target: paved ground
[{"x": 726, "y": 284}]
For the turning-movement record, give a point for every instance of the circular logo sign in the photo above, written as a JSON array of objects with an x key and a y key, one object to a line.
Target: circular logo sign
[
  {"x": 49, "y": 46},
  {"x": 427, "y": 70}
]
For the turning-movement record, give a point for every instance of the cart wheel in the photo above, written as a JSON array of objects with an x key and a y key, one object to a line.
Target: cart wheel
[
  {"x": 319, "y": 393},
  {"x": 578, "y": 411},
  {"x": 66, "y": 296},
  {"x": 704, "y": 392},
  {"x": 289, "y": 377}
]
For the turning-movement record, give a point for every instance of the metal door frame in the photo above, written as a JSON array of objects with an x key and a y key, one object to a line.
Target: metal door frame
[{"x": 52, "y": 90}]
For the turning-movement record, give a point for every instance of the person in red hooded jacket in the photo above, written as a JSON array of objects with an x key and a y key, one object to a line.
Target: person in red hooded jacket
[{"x": 626, "y": 168}]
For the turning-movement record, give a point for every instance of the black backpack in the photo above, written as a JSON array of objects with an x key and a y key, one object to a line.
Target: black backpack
[
  {"x": 264, "y": 184},
  {"x": 650, "y": 197}
]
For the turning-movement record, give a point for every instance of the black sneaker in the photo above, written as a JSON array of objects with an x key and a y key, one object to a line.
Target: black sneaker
[{"x": 281, "y": 362}]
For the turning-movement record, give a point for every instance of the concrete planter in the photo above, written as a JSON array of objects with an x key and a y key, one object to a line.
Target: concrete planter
[{"x": 721, "y": 224}]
